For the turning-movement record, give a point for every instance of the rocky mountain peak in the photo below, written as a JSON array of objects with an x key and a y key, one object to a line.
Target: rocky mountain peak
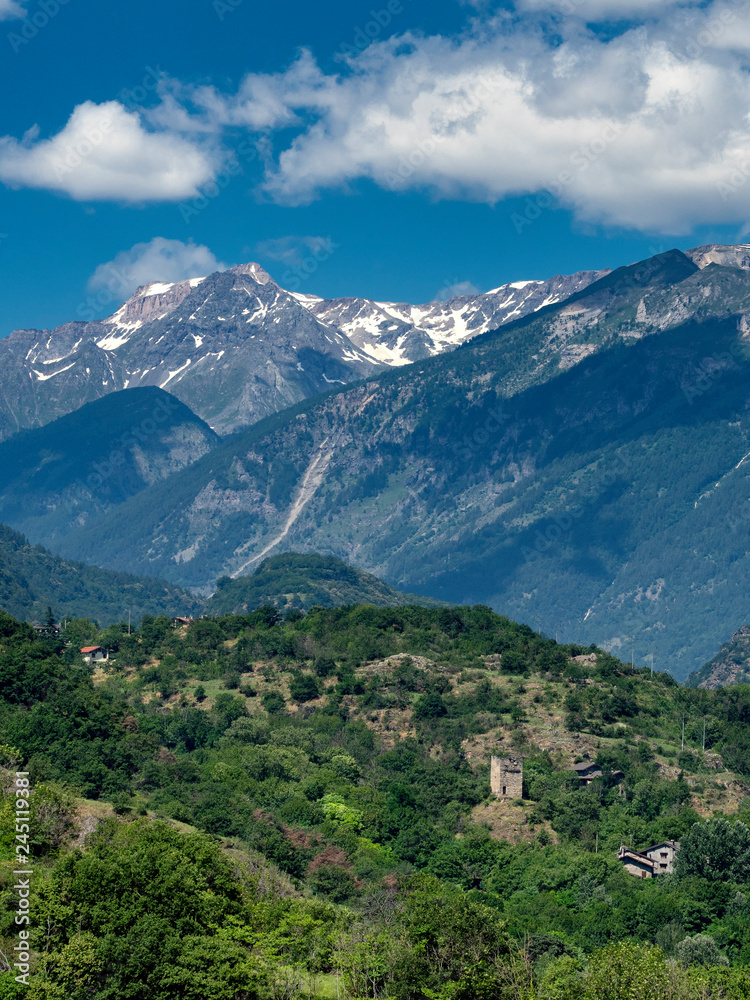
[
  {"x": 727, "y": 256},
  {"x": 156, "y": 300},
  {"x": 254, "y": 271}
]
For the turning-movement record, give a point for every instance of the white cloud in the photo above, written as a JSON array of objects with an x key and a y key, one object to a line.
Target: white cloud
[
  {"x": 158, "y": 260},
  {"x": 455, "y": 289},
  {"x": 644, "y": 126},
  {"x": 600, "y": 10},
  {"x": 105, "y": 153},
  {"x": 637, "y": 129},
  {"x": 10, "y": 9}
]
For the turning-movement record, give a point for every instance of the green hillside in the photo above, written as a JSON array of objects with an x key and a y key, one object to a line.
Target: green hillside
[
  {"x": 302, "y": 581},
  {"x": 593, "y": 504},
  {"x": 32, "y": 580},
  {"x": 252, "y": 806}
]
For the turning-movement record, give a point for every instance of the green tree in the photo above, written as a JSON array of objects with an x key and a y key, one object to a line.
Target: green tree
[
  {"x": 715, "y": 850},
  {"x": 304, "y": 687},
  {"x": 701, "y": 949},
  {"x": 626, "y": 971}
]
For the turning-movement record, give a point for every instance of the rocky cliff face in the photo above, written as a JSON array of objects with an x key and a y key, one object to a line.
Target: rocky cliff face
[
  {"x": 731, "y": 665},
  {"x": 726, "y": 256},
  {"x": 153, "y": 301}
]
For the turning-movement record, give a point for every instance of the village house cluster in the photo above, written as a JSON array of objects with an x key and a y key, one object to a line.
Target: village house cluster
[{"x": 506, "y": 782}]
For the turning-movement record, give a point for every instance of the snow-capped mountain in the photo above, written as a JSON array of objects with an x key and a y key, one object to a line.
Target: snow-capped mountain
[
  {"x": 234, "y": 347},
  {"x": 397, "y": 333}
]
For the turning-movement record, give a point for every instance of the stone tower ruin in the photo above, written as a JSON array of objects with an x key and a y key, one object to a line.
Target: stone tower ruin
[{"x": 506, "y": 777}]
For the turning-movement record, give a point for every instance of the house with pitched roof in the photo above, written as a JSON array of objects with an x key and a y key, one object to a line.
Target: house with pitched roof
[
  {"x": 655, "y": 860},
  {"x": 94, "y": 654}
]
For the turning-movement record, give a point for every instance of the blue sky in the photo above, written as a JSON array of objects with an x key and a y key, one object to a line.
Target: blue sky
[{"x": 360, "y": 148}]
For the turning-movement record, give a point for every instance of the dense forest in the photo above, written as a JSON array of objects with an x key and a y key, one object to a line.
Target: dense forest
[
  {"x": 281, "y": 806},
  {"x": 32, "y": 578}
]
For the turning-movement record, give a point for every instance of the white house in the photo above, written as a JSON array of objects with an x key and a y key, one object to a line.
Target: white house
[{"x": 94, "y": 654}]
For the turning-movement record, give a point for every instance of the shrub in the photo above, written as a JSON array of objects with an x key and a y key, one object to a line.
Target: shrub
[{"x": 304, "y": 687}]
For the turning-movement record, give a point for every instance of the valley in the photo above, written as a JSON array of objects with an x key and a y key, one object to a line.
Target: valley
[
  {"x": 570, "y": 495},
  {"x": 375, "y": 500}
]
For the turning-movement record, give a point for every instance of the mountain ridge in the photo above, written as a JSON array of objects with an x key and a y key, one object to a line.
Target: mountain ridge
[
  {"x": 299, "y": 581},
  {"x": 212, "y": 361},
  {"x": 233, "y": 366},
  {"x": 455, "y": 476}
]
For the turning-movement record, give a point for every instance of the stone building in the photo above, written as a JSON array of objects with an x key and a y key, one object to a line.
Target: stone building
[
  {"x": 506, "y": 777},
  {"x": 587, "y": 771},
  {"x": 662, "y": 856},
  {"x": 656, "y": 860},
  {"x": 636, "y": 863}
]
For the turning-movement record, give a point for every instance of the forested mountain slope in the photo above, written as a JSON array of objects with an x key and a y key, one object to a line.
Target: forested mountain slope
[
  {"x": 590, "y": 500},
  {"x": 33, "y": 580},
  {"x": 301, "y": 581},
  {"x": 64, "y": 474}
]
